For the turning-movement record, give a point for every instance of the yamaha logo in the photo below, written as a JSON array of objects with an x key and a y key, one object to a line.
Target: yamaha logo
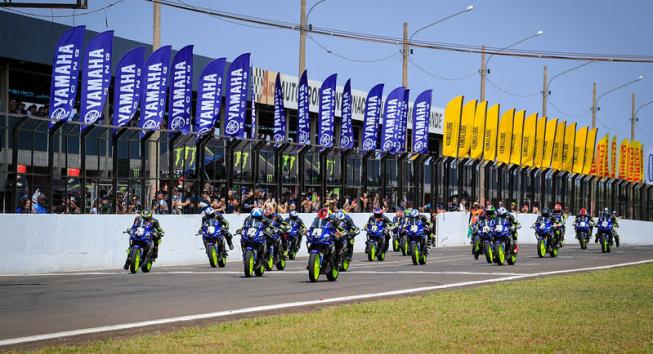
[
  {"x": 344, "y": 141},
  {"x": 368, "y": 144},
  {"x": 325, "y": 140},
  {"x": 202, "y": 131},
  {"x": 150, "y": 124},
  {"x": 303, "y": 138},
  {"x": 91, "y": 117},
  {"x": 232, "y": 127},
  {"x": 58, "y": 114},
  {"x": 387, "y": 145},
  {"x": 278, "y": 138},
  {"x": 177, "y": 123},
  {"x": 419, "y": 146}
]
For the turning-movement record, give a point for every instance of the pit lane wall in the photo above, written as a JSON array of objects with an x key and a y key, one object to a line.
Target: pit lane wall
[{"x": 62, "y": 243}]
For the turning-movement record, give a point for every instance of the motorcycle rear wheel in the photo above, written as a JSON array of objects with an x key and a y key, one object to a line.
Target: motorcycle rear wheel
[
  {"x": 489, "y": 257},
  {"x": 332, "y": 274},
  {"x": 381, "y": 256},
  {"x": 554, "y": 252},
  {"x": 404, "y": 247},
  {"x": 501, "y": 253},
  {"x": 344, "y": 265},
  {"x": 281, "y": 265},
  {"x": 512, "y": 256},
  {"x": 395, "y": 244},
  {"x": 269, "y": 263},
  {"x": 147, "y": 266}
]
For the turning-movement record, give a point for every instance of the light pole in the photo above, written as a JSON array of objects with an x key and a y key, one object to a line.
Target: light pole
[
  {"x": 634, "y": 119},
  {"x": 303, "y": 21},
  {"x": 595, "y": 101},
  {"x": 485, "y": 71},
  {"x": 406, "y": 47},
  {"x": 546, "y": 92}
]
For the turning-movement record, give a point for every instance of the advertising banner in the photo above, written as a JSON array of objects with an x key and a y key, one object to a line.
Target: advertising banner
[
  {"x": 303, "y": 118},
  {"x": 127, "y": 86},
  {"x": 568, "y": 147},
  {"x": 579, "y": 150},
  {"x": 558, "y": 142},
  {"x": 505, "y": 136},
  {"x": 65, "y": 73},
  {"x": 452, "y": 116},
  {"x": 421, "y": 122},
  {"x": 96, "y": 78},
  {"x": 549, "y": 138},
  {"x": 279, "y": 133},
  {"x": 346, "y": 128},
  {"x": 516, "y": 137},
  {"x": 181, "y": 90},
  {"x": 478, "y": 128},
  {"x": 236, "y": 97},
  {"x": 372, "y": 114},
  {"x": 391, "y": 113},
  {"x": 466, "y": 125},
  {"x": 327, "y": 111},
  {"x": 490, "y": 133},
  {"x": 154, "y": 86},
  {"x": 209, "y": 96},
  {"x": 528, "y": 141}
]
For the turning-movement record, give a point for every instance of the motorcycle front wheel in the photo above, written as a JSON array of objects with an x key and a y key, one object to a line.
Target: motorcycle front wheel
[
  {"x": 212, "y": 253},
  {"x": 501, "y": 252},
  {"x": 314, "y": 267},
  {"x": 371, "y": 253},
  {"x": 248, "y": 263},
  {"x": 135, "y": 260},
  {"x": 489, "y": 257},
  {"x": 541, "y": 248}
]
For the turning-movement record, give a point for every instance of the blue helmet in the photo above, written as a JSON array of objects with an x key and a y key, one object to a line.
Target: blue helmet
[
  {"x": 414, "y": 213},
  {"x": 209, "y": 212},
  {"x": 256, "y": 213},
  {"x": 340, "y": 215},
  {"x": 378, "y": 212},
  {"x": 501, "y": 211},
  {"x": 293, "y": 215}
]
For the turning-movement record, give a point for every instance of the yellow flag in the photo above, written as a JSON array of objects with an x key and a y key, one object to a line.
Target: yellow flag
[
  {"x": 539, "y": 142},
  {"x": 568, "y": 147},
  {"x": 517, "y": 133},
  {"x": 613, "y": 157},
  {"x": 601, "y": 156},
  {"x": 478, "y": 129},
  {"x": 639, "y": 157},
  {"x": 589, "y": 151},
  {"x": 556, "y": 160},
  {"x": 528, "y": 141},
  {"x": 623, "y": 159},
  {"x": 466, "y": 123},
  {"x": 579, "y": 150},
  {"x": 549, "y": 138},
  {"x": 452, "y": 115},
  {"x": 505, "y": 136},
  {"x": 490, "y": 134}
]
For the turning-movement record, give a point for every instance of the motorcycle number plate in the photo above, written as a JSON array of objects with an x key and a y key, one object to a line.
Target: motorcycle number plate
[
  {"x": 251, "y": 232},
  {"x": 375, "y": 228},
  {"x": 413, "y": 228},
  {"x": 317, "y": 232},
  {"x": 605, "y": 224},
  {"x": 498, "y": 228},
  {"x": 583, "y": 224}
]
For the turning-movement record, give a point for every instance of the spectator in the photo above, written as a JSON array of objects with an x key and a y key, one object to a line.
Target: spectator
[
  {"x": 178, "y": 201},
  {"x": 454, "y": 205},
  {"x": 105, "y": 206},
  {"x": 524, "y": 208},
  {"x": 463, "y": 205},
  {"x": 364, "y": 202},
  {"x": 161, "y": 204},
  {"x": 204, "y": 200},
  {"x": 536, "y": 209},
  {"x": 41, "y": 202},
  {"x": 134, "y": 205},
  {"x": 25, "y": 206},
  {"x": 513, "y": 207}
]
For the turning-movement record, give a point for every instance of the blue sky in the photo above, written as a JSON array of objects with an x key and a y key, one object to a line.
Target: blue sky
[{"x": 614, "y": 27}]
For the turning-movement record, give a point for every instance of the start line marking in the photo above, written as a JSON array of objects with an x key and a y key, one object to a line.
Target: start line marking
[{"x": 247, "y": 310}]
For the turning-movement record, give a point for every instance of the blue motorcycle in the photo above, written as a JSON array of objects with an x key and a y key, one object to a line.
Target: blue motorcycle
[
  {"x": 213, "y": 238},
  {"x": 504, "y": 249},
  {"x": 482, "y": 240},
  {"x": 141, "y": 244},
  {"x": 604, "y": 232},
  {"x": 375, "y": 245},
  {"x": 417, "y": 240},
  {"x": 275, "y": 248},
  {"x": 547, "y": 238},
  {"x": 583, "y": 233},
  {"x": 322, "y": 257},
  {"x": 291, "y": 236},
  {"x": 253, "y": 241}
]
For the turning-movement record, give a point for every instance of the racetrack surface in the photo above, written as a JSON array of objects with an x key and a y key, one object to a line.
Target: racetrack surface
[{"x": 52, "y": 303}]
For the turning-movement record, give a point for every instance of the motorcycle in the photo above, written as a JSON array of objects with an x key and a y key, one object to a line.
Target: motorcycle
[
  {"x": 291, "y": 234},
  {"x": 583, "y": 233},
  {"x": 399, "y": 239},
  {"x": 213, "y": 237},
  {"x": 482, "y": 240},
  {"x": 348, "y": 250},
  {"x": 141, "y": 245},
  {"x": 322, "y": 257},
  {"x": 417, "y": 239},
  {"x": 547, "y": 239},
  {"x": 504, "y": 249},
  {"x": 604, "y": 231},
  {"x": 375, "y": 241},
  {"x": 275, "y": 255},
  {"x": 253, "y": 242}
]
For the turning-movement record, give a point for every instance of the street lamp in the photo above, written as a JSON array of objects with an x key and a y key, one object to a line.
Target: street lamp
[
  {"x": 467, "y": 9},
  {"x": 545, "y": 89},
  {"x": 595, "y": 101},
  {"x": 634, "y": 119},
  {"x": 303, "y": 20}
]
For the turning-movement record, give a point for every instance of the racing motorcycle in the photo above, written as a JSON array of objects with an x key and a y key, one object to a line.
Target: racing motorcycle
[
  {"x": 583, "y": 233},
  {"x": 417, "y": 239},
  {"x": 290, "y": 235},
  {"x": 604, "y": 231},
  {"x": 547, "y": 238},
  {"x": 213, "y": 237},
  {"x": 322, "y": 257},
  {"x": 275, "y": 255},
  {"x": 348, "y": 250},
  {"x": 482, "y": 240},
  {"x": 504, "y": 249},
  {"x": 400, "y": 240},
  {"x": 253, "y": 241},
  {"x": 141, "y": 245},
  {"x": 375, "y": 245}
]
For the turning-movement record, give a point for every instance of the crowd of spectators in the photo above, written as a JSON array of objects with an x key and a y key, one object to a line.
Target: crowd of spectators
[{"x": 18, "y": 107}]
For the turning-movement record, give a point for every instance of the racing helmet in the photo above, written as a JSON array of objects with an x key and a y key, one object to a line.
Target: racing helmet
[
  {"x": 606, "y": 211},
  {"x": 502, "y": 211},
  {"x": 256, "y": 213},
  {"x": 583, "y": 212},
  {"x": 378, "y": 212},
  {"x": 340, "y": 215},
  {"x": 489, "y": 211},
  {"x": 414, "y": 213},
  {"x": 146, "y": 214},
  {"x": 209, "y": 212},
  {"x": 293, "y": 215},
  {"x": 545, "y": 212},
  {"x": 400, "y": 213},
  {"x": 614, "y": 212},
  {"x": 323, "y": 213}
]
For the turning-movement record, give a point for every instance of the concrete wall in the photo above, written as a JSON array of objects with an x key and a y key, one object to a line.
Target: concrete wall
[{"x": 58, "y": 243}]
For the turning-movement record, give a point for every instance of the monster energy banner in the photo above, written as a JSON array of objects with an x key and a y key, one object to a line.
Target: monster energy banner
[
  {"x": 181, "y": 90},
  {"x": 209, "y": 96},
  {"x": 154, "y": 86},
  {"x": 371, "y": 121},
  {"x": 65, "y": 72},
  {"x": 96, "y": 78},
  {"x": 327, "y": 111},
  {"x": 421, "y": 116},
  {"x": 279, "y": 113},
  {"x": 303, "y": 118},
  {"x": 346, "y": 130},
  {"x": 236, "y": 101},
  {"x": 391, "y": 114},
  {"x": 127, "y": 92}
]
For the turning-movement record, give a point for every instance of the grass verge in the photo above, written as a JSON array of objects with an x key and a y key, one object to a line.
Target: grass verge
[{"x": 603, "y": 311}]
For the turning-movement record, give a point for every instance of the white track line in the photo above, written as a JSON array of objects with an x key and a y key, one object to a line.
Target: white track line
[{"x": 247, "y": 310}]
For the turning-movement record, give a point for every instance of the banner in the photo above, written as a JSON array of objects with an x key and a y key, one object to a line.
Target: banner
[
  {"x": 127, "y": 86},
  {"x": 490, "y": 133},
  {"x": 465, "y": 131},
  {"x": 623, "y": 159},
  {"x": 549, "y": 138},
  {"x": 346, "y": 129},
  {"x": 589, "y": 151},
  {"x": 154, "y": 87},
  {"x": 568, "y": 147},
  {"x": 96, "y": 78},
  {"x": 540, "y": 132},
  {"x": 613, "y": 157},
  {"x": 558, "y": 143},
  {"x": 279, "y": 134},
  {"x": 421, "y": 116},
  {"x": 478, "y": 128},
  {"x": 400, "y": 134},
  {"x": 327, "y": 111},
  {"x": 601, "y": 156},
  {"x": 505, "y": 136},
  {"x": 579, "y": 150},
  {"x": 181, "y": 90},
  {"x": 637, "y": 161},
  {"x": 528, "y": 141},
  {"x": 65, "y": 72},
  {"x": 391, "y": 113},
  {"x": 303, "y": 118},
  {"x": 648, "y": 159},
  {"x": 236, "y": 97},
  {"x": 209, "y": 96},
  {"x": 516, "y": 137},
  {"x": 372, "y": 114},
  {"x": 452, "y": 116}
]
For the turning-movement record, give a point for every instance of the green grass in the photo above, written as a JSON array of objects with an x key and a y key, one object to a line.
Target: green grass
[{"x": 603, "y": 311}]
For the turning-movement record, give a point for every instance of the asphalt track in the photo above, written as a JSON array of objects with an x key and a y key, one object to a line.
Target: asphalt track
[{"x": 60, "y": 305}]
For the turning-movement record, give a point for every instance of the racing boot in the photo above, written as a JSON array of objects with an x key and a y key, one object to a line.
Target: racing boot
[
  {"x": 616, "y": 239},
  {"x": 229, "y": 238},
  {"x": 127, "y": 261},
  {"x": 155, "y": 252}
]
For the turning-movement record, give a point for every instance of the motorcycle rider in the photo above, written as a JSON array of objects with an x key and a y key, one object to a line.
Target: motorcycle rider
[
  {"x": 474, "y": 217},
  {"x": 294, "y": 219},
  {"x": 612, "y": 217},
  {"x": 514, "y": 225},
  {"x": 376, "y": 217},
  {"x": 146, "y": 217},
  {"x": 400, "y": 218},
  {"x": 615, "y": 225},
  {"x": 274, "y": 222},
  {"x": 326, "y": 219},
  {"x": 559, "y": 218},
  {"x": 350, "y": 230},
  {"x": 210, "y": 214},
  {"x": 583, "y": 217}
]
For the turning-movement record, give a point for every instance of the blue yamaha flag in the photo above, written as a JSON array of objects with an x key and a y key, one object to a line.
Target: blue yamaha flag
[
  {"x": 346, "y": 131},
  {"x": 372, "y": 113},
  {"x": 421, "y": 117},
  {"x": 154, "y": 86},
  {"x": 303, "y": 119},
  {"x": 236, "y": 97},
  {"x": 181, "y": 90},
  {"x": 327, "y": 111},
  {"x": 209, "y": 96},
  {"x": 127, "y": 86},
  {"x": 391, "y": 114},
  {"x": 279, "y": 134},
  {"x": 402, "y": 124},
  {"x": 96, "y": 78},
  {"x": 65, "y": 72}
]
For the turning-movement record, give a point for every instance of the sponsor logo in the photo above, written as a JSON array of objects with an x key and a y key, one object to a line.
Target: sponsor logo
[
  {"x": 344, "y": 141},
  {"x": 368, "y": 144},
  {"x": 59, "y": 114},
  {"x": 388, "y": 145},
  {"x": 278, "y": 138},
  {"x": 91, "y": 117},
  {"x": 150, "y": 124},
  {"x": 325, "y": 140},
  {"x": 303, "y": 137},
  {"x": 232, "y": 127},
  {"x": 419, "y": 146},
  {"x": 178, "y": 123}
]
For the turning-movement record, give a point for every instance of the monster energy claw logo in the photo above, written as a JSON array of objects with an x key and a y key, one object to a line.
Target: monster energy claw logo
[
  {"x": 91, "y": 117},
  {"x": 232, "y": 127},
  {"x": 177, "y": 123}
]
